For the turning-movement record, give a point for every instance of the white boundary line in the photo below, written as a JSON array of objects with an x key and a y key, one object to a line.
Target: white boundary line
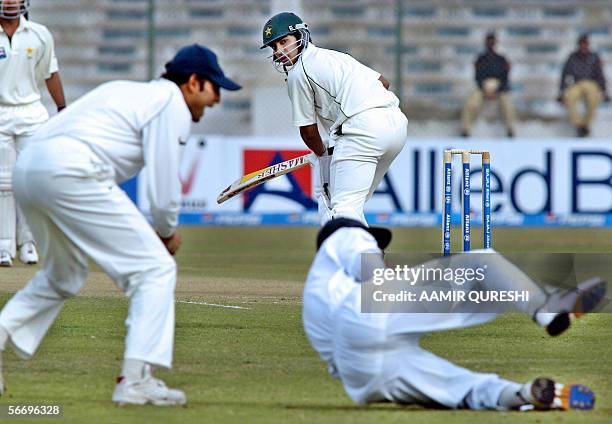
[{"x": 211, "y": 304}]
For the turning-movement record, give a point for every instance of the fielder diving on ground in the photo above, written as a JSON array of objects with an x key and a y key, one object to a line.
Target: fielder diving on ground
[{"x": 377, "y": 356}]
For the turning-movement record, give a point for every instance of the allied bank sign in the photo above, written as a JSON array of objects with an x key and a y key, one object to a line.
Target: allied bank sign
[{"x": 554, "y": 182}]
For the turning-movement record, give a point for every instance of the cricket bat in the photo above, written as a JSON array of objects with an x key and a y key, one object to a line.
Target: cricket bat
[{"x": 258, "y": 177}]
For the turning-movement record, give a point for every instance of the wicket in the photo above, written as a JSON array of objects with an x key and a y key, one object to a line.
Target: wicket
[{"x": 465, "y": 198}]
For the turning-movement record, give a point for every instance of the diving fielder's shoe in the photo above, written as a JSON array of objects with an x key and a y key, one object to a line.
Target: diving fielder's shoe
[
  {"x": 147, "y": 390},
  {"x": 580, "y": 300},
  {"x": 5, "y": 259},
  {"x": 544, "y": 393},
  {"x": 27, "y": 253}
]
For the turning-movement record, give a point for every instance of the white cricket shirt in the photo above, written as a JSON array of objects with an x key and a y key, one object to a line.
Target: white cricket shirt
[
  {"x": 332, "y": 276},
  {"x": 332, "y": 87},
  {"x": 130, "y": 125},
  {"x": 26, "y": 61}
]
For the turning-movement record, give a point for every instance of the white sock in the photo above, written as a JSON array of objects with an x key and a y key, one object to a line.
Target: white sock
[
  {"x": 3, "y": 338},
  {"x": 545, "y": 318},
  {"x": 133, "y": 369},
  {"x": 513, "y": 396}
]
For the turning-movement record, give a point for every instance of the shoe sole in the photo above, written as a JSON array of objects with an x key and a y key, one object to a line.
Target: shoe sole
[
  {"x": 144, "y": 401},
  {"x": 551, "y": 395},
  {"x": 589, "y": 296},
  {"x": 583, "y": 299},
  {"x": 576, "y": 396}
]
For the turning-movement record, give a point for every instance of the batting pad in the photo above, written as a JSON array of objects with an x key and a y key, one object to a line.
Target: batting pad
[{"x": 8, "y": 218}]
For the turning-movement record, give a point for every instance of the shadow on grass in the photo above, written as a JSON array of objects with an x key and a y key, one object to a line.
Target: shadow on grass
[
  {"x": 387, "y": 407},
  {"x": 391, "y": 407},
  {"x": 378, "y": 407}
]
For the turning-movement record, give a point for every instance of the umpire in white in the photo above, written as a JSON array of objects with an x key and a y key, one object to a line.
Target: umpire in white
[
  {"x": 27, "y": 58},
  {"x": 65, "y": 181}
]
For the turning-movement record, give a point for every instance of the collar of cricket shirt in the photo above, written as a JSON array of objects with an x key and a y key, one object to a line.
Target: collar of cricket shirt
[
  {"x": 306, "y": 52},
  {"x": 23, "y": 24}
]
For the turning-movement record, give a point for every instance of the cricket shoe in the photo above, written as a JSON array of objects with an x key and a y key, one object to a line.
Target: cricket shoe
[
  {"x": 27, "y": 253},
  {"x": 544, "y": 393},
  {"x": 147, "y": 390},
  {"x": 5, "y": 259},
  {"x": 579, "y": 300}
]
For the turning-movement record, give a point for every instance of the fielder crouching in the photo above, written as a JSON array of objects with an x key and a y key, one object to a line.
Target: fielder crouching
[
  {"x": 65, "y": 182},
  {"x": 377, "y": 355}
]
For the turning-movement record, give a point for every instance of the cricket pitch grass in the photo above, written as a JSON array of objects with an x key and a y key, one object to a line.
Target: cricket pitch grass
[{"x": 253, "y": 364}]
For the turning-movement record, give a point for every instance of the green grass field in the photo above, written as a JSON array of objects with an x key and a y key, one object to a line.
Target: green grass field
[{"x": 255, "y": 364}]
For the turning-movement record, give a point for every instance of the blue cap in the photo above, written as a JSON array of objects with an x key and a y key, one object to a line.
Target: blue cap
[{"x": 199, "y": 60}]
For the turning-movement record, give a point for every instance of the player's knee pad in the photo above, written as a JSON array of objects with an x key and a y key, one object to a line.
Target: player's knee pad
[
  {"x": 5, "y": 181},
  {"x": 8, "y": 214},
  {"x": 8, "y": 158}
]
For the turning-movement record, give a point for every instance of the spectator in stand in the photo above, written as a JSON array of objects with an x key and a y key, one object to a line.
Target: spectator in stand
[
  {"x": 582, "y": 79},
  {"x": 491, "y": 74}
]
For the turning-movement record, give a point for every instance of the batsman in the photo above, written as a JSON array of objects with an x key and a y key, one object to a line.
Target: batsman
[{"x": 334, "y": 94}]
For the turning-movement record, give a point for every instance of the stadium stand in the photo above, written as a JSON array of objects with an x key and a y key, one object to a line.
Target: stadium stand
[{"x": 101, "y": 40}]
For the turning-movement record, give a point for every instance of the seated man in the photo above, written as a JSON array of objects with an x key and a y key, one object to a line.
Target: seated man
[
  {"x": 492, "y": 77},
  {"x": 582, "y": 80},
  {"x": 377, "y": 355}
]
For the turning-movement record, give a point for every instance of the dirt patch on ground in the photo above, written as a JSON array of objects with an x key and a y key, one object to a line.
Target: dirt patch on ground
[{"x": 100, "y": 285}]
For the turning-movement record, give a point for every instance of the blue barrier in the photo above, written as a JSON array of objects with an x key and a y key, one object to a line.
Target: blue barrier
[{"x": 396, "y": 219}]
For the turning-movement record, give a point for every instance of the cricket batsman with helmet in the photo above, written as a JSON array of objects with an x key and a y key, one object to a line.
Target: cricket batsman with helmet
[{"x": 348, "y": 101}]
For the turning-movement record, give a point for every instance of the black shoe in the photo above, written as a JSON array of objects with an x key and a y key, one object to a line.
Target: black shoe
[
  {"x": 465, "y": 134},
  {"x": 510, "y": 133},
  {"x": 559, "y": 324}
]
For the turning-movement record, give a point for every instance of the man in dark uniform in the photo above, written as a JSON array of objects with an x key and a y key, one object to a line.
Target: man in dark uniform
[
  {"x": 492, "y": 71},
  {"x": 582, "y": 79}
]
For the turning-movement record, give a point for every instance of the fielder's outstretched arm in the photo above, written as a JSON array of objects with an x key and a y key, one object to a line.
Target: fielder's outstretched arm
[{"x": 312, "y": 139}]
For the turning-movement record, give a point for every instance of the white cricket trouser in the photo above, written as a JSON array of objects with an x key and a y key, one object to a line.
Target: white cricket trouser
[
  {"x": 17, "y": 124},
  {"x": 379, "y": 358},
  {"x": 76, "y": 210},
  {"x": 369, "y": 143}
]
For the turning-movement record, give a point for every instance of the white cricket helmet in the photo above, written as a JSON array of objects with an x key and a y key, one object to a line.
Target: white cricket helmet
[{"x": 13, "y": 9}]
